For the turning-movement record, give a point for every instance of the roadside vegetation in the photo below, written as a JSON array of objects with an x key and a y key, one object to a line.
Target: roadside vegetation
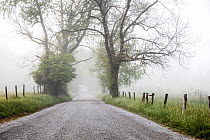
[
  {"x": 194, "y": 122},
  {"x": 18, "y": 106}
]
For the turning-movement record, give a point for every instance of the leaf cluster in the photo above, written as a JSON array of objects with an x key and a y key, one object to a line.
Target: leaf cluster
[
  {"x": 128, "y": 73},
  {"x": 59, "y": 69}
]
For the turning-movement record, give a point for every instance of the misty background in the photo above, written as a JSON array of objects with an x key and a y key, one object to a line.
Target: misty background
[{"x": 195, "y": 75}]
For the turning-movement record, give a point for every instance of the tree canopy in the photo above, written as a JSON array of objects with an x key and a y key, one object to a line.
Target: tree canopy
[
  {"x": 145, "y": 32},
  {"x": 136, "y": 34},
  {"x": 60, "y": 72},
  {"x": 128, "y": 73},
  {"x": 46, "y": 23}
]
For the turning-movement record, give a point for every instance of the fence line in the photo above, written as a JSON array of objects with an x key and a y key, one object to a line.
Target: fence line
[
  {"x": 145, "y": 96},
  {"x": 20, "y": 90}
]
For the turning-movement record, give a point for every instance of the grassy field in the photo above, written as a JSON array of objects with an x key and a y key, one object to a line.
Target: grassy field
[
  {"x": 17, "y": 106},
  {"x": 12, "y": 94},
  {"x": 194, "y": 122}
]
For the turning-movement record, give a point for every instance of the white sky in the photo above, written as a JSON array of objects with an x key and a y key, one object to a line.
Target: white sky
[
  {"x": 177, "y": 80},
  {"x": 196, "y": 76},
  {"x": 12, "y": 48}
]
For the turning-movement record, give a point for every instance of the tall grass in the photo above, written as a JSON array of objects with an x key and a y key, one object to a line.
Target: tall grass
[
  {"x": 28, "y": 104},
  {"x": 12, "y": 94},
  {"x": 195, "y": 121}
]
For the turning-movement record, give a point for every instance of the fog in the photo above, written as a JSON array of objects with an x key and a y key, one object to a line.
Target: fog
[
  {"x": 195, "y": 75},
  {"x": 86, "y": 81}
]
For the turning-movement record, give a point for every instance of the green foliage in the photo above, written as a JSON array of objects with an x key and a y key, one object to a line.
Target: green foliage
[
  {"x": 38, "y": 21},
  {"x": 28, "y": 104},
  {"x": 195, "y": 121},
  {"x": 27, "y": 9},
  {"x": 54, "y": 72},
  {"x": 128, "y": 73},
  {"x": 101, "y": 66}
]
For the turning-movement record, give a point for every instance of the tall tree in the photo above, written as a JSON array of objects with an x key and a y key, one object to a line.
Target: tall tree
[
  {"x": 71, "y": 16},
  {"x": 44, "y": 22},
  {"x": 28, "y": 16},
  {"x": 146, "y": 32},
  {"x": 128, "y": 73}
]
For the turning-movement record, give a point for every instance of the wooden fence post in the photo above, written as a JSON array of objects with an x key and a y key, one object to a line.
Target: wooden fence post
[
  {"x": 184, "y": 106},
  {"x": 143, "y": 97},
  {"x": 16, "y": 92},
  {"x": 153, "y": 94},
  {"x": 165, "y": 100},
  {"x": 129, "y": 95},
  {"x": 209, "y": 102},
  {"x": 147, "y": 98},
  {"x": 6, "y": 92},
  {"x": 23, "y": 90},
  {"x": 134, "y": 96},
  {"x": 123, "y": 93}
]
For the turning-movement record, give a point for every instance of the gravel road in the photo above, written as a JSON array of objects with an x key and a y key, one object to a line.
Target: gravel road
[{"x": 85, "y": 118}]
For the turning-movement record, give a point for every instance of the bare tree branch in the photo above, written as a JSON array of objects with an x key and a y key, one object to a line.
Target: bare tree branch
[
  {"x": 137, "y": 18},
  {"x": 81, "y": 61},
  {"x": 76, "y": 30}
]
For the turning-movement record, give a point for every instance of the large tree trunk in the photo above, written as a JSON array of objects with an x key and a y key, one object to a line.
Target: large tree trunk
[{"x": 114, "y": 79}]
